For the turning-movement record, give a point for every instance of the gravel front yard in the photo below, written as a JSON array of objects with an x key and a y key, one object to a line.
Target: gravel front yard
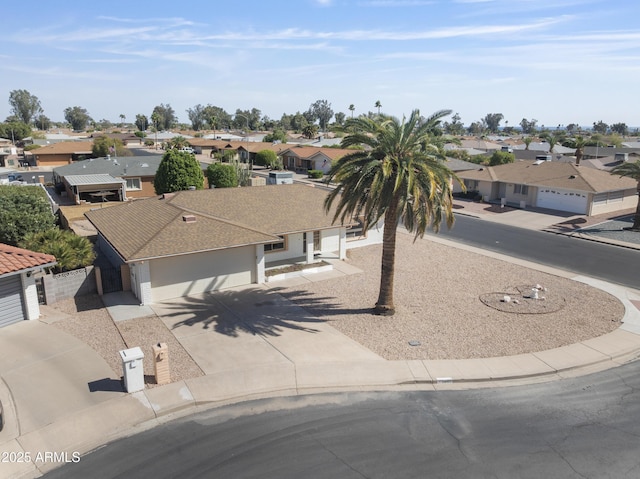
[{"x": 439, "y": 292}]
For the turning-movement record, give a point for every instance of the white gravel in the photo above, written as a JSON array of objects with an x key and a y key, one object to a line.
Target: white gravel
[{"x": 437, "y": 297}]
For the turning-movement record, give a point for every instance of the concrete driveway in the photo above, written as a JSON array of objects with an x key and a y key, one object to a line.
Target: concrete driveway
[
  {"x": 252, "y": 327},
  {"x": 40, "y": 361}
]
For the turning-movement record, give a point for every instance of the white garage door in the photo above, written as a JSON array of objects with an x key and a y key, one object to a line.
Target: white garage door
[
  {"x": 197, "y": 273},
  {"x": 563, "y": 200},
  {"x": 11, "y": 310}
]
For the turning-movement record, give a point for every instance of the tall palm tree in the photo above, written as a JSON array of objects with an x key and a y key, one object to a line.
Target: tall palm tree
[
  {"x": 352, "y": 108},
  {"x": 579, "y": 143},
  {"x": 122, "y": 118},
  {"x": 400, "y": 176},
  {"x": 378, "y": 105},
  {"x": 631, "y": 170}
]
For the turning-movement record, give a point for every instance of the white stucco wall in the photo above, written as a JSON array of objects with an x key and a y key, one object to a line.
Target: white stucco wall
[{"x": 31, "y": 305}]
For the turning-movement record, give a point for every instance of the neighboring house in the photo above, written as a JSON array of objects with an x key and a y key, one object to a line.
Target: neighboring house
[
  {"x": 594, "y": 152},
  {"x": 63, "y": 153},
  {"x": 196, "y": 241},
  {"x": 18, "y": 293},
  {"x": 125, "y": 138},
  {"x": 110, "y": 179},
  {"x": 303, "y": 158},
  {"x": 482, "y": 145},
  {"x": 553, "y": 184}
]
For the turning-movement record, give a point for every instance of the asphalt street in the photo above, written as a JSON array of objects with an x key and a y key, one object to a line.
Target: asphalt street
[
  {"x": 585, "y": 427},
  {"x": 603, "y": 261}
]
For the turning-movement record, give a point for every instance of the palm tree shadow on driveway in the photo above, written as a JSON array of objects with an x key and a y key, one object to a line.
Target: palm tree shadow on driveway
[{"x": 256, "y": 311}]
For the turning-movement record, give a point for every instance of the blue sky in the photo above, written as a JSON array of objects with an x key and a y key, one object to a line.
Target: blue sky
[{"x": 560, "y": 61}]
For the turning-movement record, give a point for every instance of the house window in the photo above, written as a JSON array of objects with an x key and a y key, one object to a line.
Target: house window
[
  {"x": 471, "y": 185},
  {"x": 270, "y": 248},
  {"x": 133, "y": 184},
  {"x": 520, "y": 189},
  {"x": 356, "y": 232}
]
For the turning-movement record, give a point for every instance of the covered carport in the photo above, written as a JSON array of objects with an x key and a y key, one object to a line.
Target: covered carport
[{"x": 95, "y": 188}]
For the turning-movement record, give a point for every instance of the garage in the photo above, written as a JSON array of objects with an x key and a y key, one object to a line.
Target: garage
[
  {"x": 11, "y": 309},
  {"x": 562, "y": 200},
  {"x": 189, "y": 274}
]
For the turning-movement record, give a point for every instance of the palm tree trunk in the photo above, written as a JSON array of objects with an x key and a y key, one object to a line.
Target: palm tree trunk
[
  {"x": 384, "y": 305},
  {"x": 636, "y": 217}
]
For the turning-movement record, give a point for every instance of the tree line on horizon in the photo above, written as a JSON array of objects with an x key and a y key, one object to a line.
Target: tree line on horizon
[{"x": 27, "y": 114}]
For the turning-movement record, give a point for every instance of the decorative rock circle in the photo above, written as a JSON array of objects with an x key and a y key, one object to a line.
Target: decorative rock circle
[{"x": 521, "y": 300}]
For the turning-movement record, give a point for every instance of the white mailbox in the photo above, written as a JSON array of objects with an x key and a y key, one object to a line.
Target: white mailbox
[{"x": 133, "y": 369}]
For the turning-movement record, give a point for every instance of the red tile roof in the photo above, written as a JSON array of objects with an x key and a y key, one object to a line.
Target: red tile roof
[{"x": 14, "y": 259}]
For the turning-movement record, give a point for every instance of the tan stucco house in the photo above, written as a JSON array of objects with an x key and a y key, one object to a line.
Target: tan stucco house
[
  {"x": 554, "y": 185},
  {"x": 192, "y": 242}
]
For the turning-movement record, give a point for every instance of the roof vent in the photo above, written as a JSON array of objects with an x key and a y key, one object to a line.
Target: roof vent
[
  {"x": 189, "y": 218},
  {"x": 572, "y": 177},
  {"x": 167, "y": 196}
]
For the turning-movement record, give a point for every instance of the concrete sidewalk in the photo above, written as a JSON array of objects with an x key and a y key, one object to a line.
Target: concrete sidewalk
[{"x": 59, "y": 395}]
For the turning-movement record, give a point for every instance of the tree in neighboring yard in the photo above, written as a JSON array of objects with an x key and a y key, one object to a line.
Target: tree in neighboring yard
[
  {"x": 501, "y": 158},
  {"x": 142, "y": 122},
  {"x": 527, "y": 126},
  {"x": 579, "y": 143},
  {"x": 631, "y": 170},
  {"x": 527, "y": 141},
  {"x": 103, "y": 146},
  {"x": 165, "y": 117},
  {"x": 266, "y": 158},
  {"x": 24, "y": 106},
  {"x": 197, "y": 117},
  {"x": 15, "y": 130},
  {"x": 492, "y": 120},
  {"x": 277, "y": 135},
  {"x": 23, "y": 210},
  {"x": 620, "y": 128},
  {"x": 321, "y": 111},
  {"x": 600, "y": 127},
  {"x": 77, "y": 117},
  {"x": 178, "y": 142},
  {"x": 222, "y": 176},
  {"x": 178, "y": 171},
  {"x": 71, "y": 251},
  {"x": 310, "y": 130},
  {"x": 378, "y": 105},
  {"x": 400, "y": 178},
  {"x": 352, "y": 108}
]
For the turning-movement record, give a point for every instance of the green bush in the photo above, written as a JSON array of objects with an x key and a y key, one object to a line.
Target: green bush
[
  {"x": 149, "y": 142},
  {"x": 140, "y": 134},
  {"x": 266, "y": 158},
  {"x": 31, "y": 147},
  {"x": 222, "y": 176},
  {"x": 315, "y": 173},
  {"x": 23, "y": 210},
  {"x": 71, "y": 251},
  {"x": 178, "y": 171}
]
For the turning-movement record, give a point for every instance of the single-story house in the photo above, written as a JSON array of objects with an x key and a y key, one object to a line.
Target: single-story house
[
  {"x": 18, "y": 292},
  {"x": 110, "y": 179},
  {"x": 125, "y": 138},
  {"x": 303, "y": 158},
  {"x": 191, "y": 242},
  {"x": 554, "y": 185},
  {"x": 63, "y": 153}
]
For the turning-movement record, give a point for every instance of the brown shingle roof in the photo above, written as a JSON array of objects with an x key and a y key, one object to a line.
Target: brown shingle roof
[
  {"x": 225, "y": 218},
  {"x": 309, "y": 151},
  {"x": 64, "y": 147},
  {"x": 552, "y": 174},
  {"x": 14, "y": 259}
]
